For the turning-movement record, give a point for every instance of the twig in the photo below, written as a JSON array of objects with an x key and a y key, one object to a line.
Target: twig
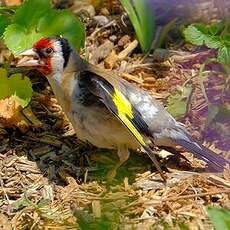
[
  {"x": 201, "y": 77},
  {"x": 190, "y": 196},
  {"x": 101, "y": 28},
  {"x": 4, "y": 191},
  {"x": 124, "y": 53}
]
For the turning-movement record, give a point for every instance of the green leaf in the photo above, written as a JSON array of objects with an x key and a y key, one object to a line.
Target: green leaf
[
  {"x": 17, "y": 86},
  {"x": 19, "y": 204},
  {"x": 216, "y": 28},
  {"x": 212, "y": 42},
  {"x": 3, "y": 24},
  {"x": 87, "y": 222},
  {"x": 62, "y": 22},
  {"x": 177, "y": 102},
  {"x": 194, "y": 34},
  {"x": 22, "y": 88},
  {"x": 224, "y": 55},
  {"x": 30, "y": 12},
  {"x": 198, "y": 34},
  {"x": 226, "y": 38},
  {"x": 219, "y": 217},
  {"x": 36, "y": 19},
  {"x": 43, "y": 203},
  {"x": 5, "y": 91},
  {"x": 17, "y": 38},
  {"x": 142, "y": 16},
  {"x": 213, "y": 29},
  {"x": 84, "y": 219}
]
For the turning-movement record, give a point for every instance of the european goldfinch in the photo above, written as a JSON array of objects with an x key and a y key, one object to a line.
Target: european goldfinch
[{"x": 106, "y": 110}]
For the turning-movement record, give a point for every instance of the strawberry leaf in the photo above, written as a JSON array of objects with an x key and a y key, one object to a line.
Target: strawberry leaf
[
  {"x": 195, "y": 34},
  {"x": 216, "y": 28},
  {"x": 227, "y": 39},
  {"x": 224, "y": 55},
  {"x": 216, "y": 36},
  {"x": 198, "y": 34}
]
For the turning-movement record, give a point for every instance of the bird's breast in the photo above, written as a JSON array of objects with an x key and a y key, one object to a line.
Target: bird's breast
[
  {"x": 91, "y": 120},
  {"x": 100, "y": 127}
]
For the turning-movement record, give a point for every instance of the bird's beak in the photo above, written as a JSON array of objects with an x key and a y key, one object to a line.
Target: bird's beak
[{"x": 29, "y": 58}]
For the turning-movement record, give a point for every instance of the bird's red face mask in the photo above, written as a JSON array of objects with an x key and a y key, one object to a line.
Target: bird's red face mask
[{"x": 39, "y": 57}]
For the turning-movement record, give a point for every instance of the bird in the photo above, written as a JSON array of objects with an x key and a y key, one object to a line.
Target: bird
[{"x": 108, "y": 111}]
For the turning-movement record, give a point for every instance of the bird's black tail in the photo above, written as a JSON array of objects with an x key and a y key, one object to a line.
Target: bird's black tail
[{"x": 214, "y": 161}]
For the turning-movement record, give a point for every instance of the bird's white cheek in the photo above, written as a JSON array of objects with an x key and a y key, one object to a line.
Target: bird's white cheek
[{"x": 57, "y": 63}]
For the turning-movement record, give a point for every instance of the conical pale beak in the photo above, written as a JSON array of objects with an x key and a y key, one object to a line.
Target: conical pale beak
[
  {"x": 29, "y": 58},
  {"x": 29, "y": 52}
]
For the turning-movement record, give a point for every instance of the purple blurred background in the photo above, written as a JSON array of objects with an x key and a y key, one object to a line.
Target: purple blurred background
[{"x": 192, "y": 10}]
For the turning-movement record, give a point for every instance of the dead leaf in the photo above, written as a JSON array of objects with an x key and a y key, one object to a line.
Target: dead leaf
[{"x": 11, "y": 115}]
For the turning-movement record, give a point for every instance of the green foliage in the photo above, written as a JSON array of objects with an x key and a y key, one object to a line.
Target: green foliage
[
  {"x": 25, "y": 202},
  {"x": 224, "y": 55},
  {"x": 42, "y": 207},
  {"x": 142, "y": 16},
  {"x": 87, "y": 222},
  {"x": 177, "y": 102},
  {"x": 3, "y": 24},
  {"x": 22, "y": 203},
  {"x": 216, "y": 36},
  {"x": 15, "y": 85},
  {"x": 220, "y": 218},
  {"x": 36, "y": 19}
]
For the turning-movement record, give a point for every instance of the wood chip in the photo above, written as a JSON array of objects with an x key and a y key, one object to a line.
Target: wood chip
[
  {"x": 101, "y": 52},
  {"x": 110, "y": 61},
  {"x": 131, "y": 77},
  {"x": 124, "y": 53},
  {"x": 96, "y": 208}
]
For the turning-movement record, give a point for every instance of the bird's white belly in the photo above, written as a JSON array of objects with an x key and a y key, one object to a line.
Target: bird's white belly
[{"x": 101, "y": 128}]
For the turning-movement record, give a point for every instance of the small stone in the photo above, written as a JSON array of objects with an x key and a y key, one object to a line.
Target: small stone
[
  {"x": 79, "y": 6},
  {"x": 100, "y": 20},
  {"x": 113, "y": 38},
  {"x": 124, "y": 40}
]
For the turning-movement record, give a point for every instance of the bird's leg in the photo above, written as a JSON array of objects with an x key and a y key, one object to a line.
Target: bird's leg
[{"x": 123, "y": 154}]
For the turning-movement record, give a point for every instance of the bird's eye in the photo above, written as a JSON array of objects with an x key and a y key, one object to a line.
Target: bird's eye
[{"x": 49, "y": 51}]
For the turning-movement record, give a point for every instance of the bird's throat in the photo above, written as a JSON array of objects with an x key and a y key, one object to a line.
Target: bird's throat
[{"x": 44, "y": 70}]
